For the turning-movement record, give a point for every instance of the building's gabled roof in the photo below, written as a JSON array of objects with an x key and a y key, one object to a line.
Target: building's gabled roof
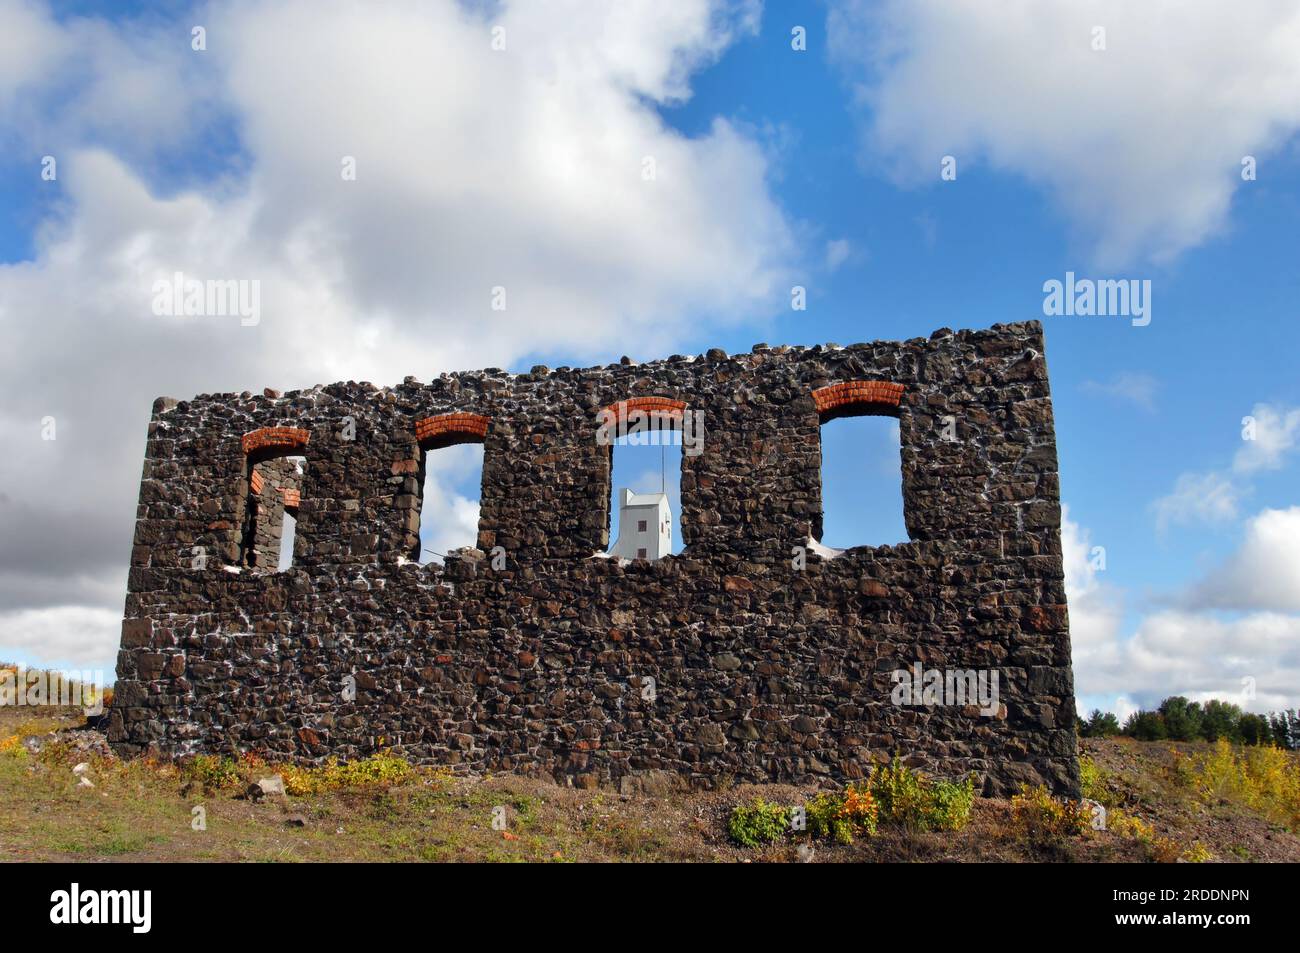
[{"x": 628, "y": 498}]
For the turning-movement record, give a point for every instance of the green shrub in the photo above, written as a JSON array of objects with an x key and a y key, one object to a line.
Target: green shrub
[
  {"x": 379, "y": 770},
  {"x": 757, "y": 823},
  {"x": 841, "y": 816},
  {"x": 900, "y": 794},
  {"x": 1041, "y": 819},
  {"x": 824, "y": 820},
  {"x": 951, "y": 804},
  {"x": 910, "y": 799},
  {"x": 1092, "y": 781},
  {"x": 893, "y": 794},
  {"x": 211, "y": 772}
]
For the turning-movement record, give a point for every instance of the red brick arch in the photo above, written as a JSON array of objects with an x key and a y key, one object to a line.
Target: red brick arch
[
  {"x": 858, "y": 399},
  {"x": 275, "y": 439},
  {"x": 444, "y": 430},
  {"x": 666, "y": 406}
]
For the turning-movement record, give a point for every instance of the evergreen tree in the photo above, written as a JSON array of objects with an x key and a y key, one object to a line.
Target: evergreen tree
[
  {"x": 1255, "y": 729},
  {"x": 1221, "y": 720},
  {"x": 1146, "y": 726},
  {"x": 1101, "y": 724},
  {"x": 1182, "y": 718},
  {"x": 1285, "y": 727}
]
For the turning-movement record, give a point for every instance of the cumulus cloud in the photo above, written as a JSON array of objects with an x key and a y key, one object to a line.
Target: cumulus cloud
[
  {"x": 1117, "y": 137},
  {"x": 1096, "y": 609},
  {"x": 77, "y": 81},
  {"x": 523, "y": 169},
  {"x": 449, "y": 514},
  {"x": 1203, "y": 655},
  {"x": 1190, "y": 649},
  {"x": 1268, "y": 435},
  {"x": 1264, "y": 572},
  {"x": 67, "y": 637},
  {"x": 1198, "y": 498}
]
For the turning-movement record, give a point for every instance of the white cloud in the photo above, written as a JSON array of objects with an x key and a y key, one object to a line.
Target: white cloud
[
  {"x": 1117, "y": 138},
  {"x": 475, "y": 169},
  {"x": 449, "y": 517},
  {"x": 77, "y": 80},
  {"x": 1264, "y": 572},
  {"x": 1123, "y": 707},
  {"x": 1134, "y": 388},
  {"x": 1214, "y": 497},
  {"x": 837, "y": 253},
  {"x": 1200, "y": 654},
  {"x": 1276, "y": 431},
  {"x": 29, "y": 41},
  {"x": 64, "y": 637},
  {"x": 1095, "y": 608},
  {"x": 1188, "y": 650},
  {"x": 1198, "y": 498}
]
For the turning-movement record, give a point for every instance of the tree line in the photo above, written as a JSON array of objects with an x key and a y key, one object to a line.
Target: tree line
[{"x": 1177, "y": 719}]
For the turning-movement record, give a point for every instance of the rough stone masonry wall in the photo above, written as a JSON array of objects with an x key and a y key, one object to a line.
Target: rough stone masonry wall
[
  {"x": 761, "y": 670},
  {"x": 275, "y": 487}
]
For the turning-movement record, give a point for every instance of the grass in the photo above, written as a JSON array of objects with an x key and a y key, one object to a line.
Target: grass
[{"x": 1163, "y": 802}]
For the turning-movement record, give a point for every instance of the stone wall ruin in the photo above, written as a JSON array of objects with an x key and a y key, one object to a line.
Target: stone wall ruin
[{"x": 748, "y": 656}]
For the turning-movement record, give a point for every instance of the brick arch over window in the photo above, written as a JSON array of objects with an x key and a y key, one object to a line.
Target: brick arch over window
[
  {"x": 665, "y": 406},
  {"x": 662, "y": 414},
  {"x": 431, "y": 433},
  {"x": 274, "y": 490},
  {"x": 267, "y": 442},
  {"x": 446, "y": 430},
  {"x": 858, "y": 399}
]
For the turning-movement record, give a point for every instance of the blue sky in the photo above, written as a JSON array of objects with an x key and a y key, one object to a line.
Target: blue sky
[
  {"x": 817, "y": 167},
  {"x": 1225, "y": 333}
]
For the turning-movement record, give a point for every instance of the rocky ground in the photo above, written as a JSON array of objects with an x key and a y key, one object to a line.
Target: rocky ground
[{"x": 67, "y": 798}]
